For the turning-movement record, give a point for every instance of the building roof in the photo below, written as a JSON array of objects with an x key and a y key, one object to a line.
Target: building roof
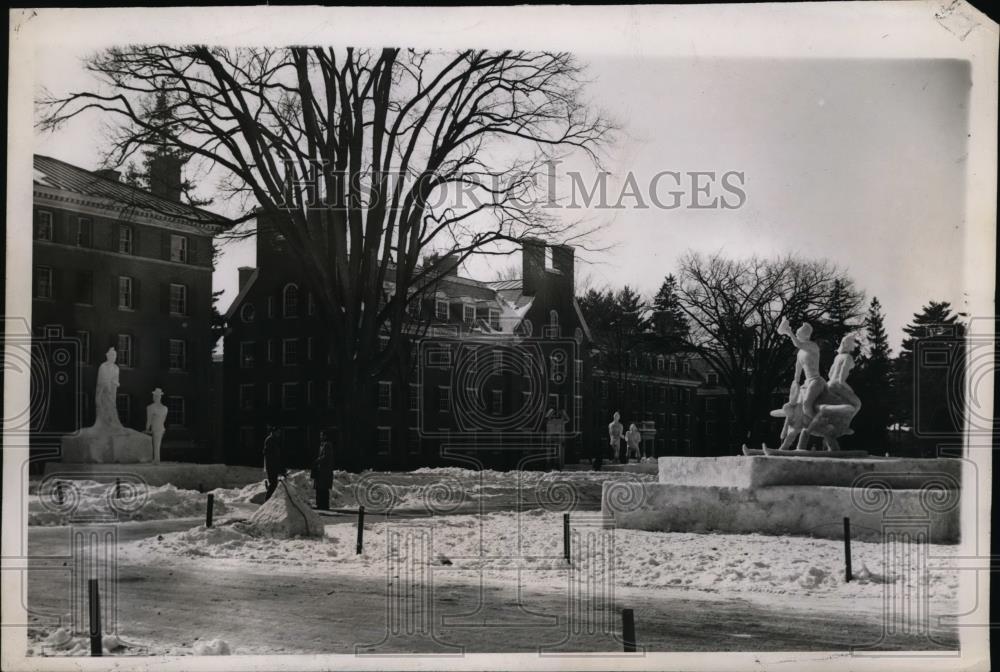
[{"x": 56, "y": 174}]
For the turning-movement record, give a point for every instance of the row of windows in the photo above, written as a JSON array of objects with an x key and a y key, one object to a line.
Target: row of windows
[
  {"x": 176, "y": 409},
  {"x": 125, "y": 289},
  {"x": 127, "y": 355},
  {"x": 81, "y": 234},
  {"x": 661, "y": 392}
]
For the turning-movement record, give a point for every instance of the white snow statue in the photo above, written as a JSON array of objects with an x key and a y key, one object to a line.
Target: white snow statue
[
  {"x": 107, "y": 441},
  {"x": 156, "y": 421},
  {"x": 818, "y": 407},
  {"x": 286, "y": 515}
]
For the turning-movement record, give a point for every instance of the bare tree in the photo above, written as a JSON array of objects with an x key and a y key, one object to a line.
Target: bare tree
[
  {"x": 361, "y": 160},
  {"x": 734, "y": 307}
]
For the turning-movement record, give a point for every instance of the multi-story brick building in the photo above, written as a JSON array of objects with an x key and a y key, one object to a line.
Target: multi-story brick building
[
  {"x": 118, "y": 266},
  {"x": 276, "y": 368}
]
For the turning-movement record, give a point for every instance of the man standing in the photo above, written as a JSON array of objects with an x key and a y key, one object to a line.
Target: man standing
[
  {"x": 272, "y": 460},
  {"x": 555, "y": 429},
  {"x": 615, "y": 431},
  {"x": 323, "y": 472}
]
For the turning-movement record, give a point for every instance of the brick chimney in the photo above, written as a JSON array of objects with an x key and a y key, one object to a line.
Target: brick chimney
[
  {"x": 532, "y": 266},
  {"x": 245, "y": 273},
  {"x": 165, "y": 176}
]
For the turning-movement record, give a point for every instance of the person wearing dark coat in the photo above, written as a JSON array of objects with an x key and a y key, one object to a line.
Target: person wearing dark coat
[
  {"x": 272, "y": 461},
  {"x": 322, "y": 472}
]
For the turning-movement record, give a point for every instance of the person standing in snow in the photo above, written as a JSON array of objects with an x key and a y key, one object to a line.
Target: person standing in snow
[
  {"x": 322, "y": 471},
  {"x": 555, "y": 429},
  {"x": 615, "y": 431},
  {"x": 272, "y": 460}
]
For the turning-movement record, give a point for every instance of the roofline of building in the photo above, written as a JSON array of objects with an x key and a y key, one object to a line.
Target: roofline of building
[{"x": 242, "y": 294}]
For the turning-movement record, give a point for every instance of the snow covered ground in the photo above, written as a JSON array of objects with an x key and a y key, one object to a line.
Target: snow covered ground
[{"x": 462, "y": 546}]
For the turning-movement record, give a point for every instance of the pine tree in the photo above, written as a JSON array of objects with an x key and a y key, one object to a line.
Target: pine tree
[
  {"x": 669, "y": 321},
  {"x": 930, "y": 377},
  {"x": 874, "y": 383}
]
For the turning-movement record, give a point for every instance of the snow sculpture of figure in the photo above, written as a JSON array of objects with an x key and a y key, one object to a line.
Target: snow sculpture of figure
[
  {"x": 107, "y": 440},
  {"x": 107, "y": 393},
  {"x": 156, "y": 420}
]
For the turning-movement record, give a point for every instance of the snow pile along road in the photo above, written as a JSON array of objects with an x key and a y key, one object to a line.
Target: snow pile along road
[
  {"x": 463, "y": 547},
  {"x": 91, "y": 500}
]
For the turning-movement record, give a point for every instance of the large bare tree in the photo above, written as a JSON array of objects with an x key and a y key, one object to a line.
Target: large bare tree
[
  {"x": 734, "y": 307},
  {"x": 363, "y": 160}
]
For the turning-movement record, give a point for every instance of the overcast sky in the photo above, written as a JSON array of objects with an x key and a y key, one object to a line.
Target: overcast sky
[{"x": 857, "y": 161}]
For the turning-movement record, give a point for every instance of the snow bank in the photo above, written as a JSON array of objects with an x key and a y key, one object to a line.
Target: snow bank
[
  {"x": 91, "y": 499},
  {"x": 451, "y": 490},
  {"x": 61, "y": 642},
  {"x": 285, "y": 515},
  {"x": 498, "y": 542},
  {"x": 213, "y": 647}
]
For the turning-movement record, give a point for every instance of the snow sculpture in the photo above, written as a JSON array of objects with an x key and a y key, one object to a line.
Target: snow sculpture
[
  {"x": 107, "y": 440},
  {"x": 156, "y": 420}
]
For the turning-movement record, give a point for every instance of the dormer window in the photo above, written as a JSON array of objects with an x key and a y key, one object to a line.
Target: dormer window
[
  {"x": 468, "y": 313},
  {"x": 713, "y": 378},
  {"x": 441, "y": 309},
  {"x": 494, "y": 319}
]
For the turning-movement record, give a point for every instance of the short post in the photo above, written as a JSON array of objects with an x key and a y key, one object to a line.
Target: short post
[
  {"x": 361, "y": 530},
  {"x": 208, "y": 510},
  {"x": 95, "y": 618},
  {"x": 118, "y": 488},
  {"x": 628, "y": 630},
  {"x": 566, "y": 537},
  {"x": 847, "y": 550}
]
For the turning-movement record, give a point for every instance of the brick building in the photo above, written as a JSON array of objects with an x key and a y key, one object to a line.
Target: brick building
[
  {"x": 117, "y": 266},
  {"x": 526, "y": 339}
]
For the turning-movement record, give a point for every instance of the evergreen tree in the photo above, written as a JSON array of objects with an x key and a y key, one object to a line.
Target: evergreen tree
[
  {"x": 930, "y": 377},
  {"x": 873, "y": 380},
  {"x": 669, "y": 323}
]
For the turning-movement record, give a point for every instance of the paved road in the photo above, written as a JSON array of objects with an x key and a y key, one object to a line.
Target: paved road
[{"x": 317, "y": 612}]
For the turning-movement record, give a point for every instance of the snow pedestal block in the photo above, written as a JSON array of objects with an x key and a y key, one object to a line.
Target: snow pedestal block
[
  {"x": 286, "y": 515},
  {"x": 184, "y": 475},
  {"x": 100, "y": 446},
  {"x": 734, "y": 495}
]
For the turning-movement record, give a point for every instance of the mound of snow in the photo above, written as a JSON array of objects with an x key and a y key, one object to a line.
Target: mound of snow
[
  {"x": 213, "y": 647},
  {"x": 90, "y": 499},
  {"x": 285, "y": 515}
]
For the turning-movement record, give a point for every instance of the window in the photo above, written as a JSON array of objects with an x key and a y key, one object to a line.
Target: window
[
  {"x": 123, "y": 404},
  {"x": 383, "y": 342},
  {"x": 329, "y": 394},
  {"x": 468, "y": 313},
  {"x": 604, "y": 389},
  {"x": 85, "y": 288},
  {"x": 414, "y": 397},
  {"x": 290, "y": 351},
  {"x": 43, "y": 282},
  {"x": 496, "y": 401},
  {"x": 444, "y": 398},
  {"x": 270, "y": 306},
  {"x": 494, "y": 319},
  {"x": 248, "y": 312},
  {"x": 43, "y": 231},
  {"x": 713, "y": 378},
  {"x": 246, "y": 397},
  {"x": 246, "y": 355},
  {"x": 84, "y": 231},
  {"x": 441, "y": 309},
  {"x": 384, "y": 395},
  {"x": 178, "y": 355},
  {"x": 673, "y": 367},
  {"x": 659, "y": 362},
  {"x": 176, "y": 408},
  {"x": 272, "y": 349},
  {"x": 125, "y": 354},
  {"x": 290, "y": 301},
  {"x": 384, "y": 440},
  {"x": 84, "y": 338},
  {"x": 270, "y": 394},
  {"x": 578, "y": 406},
  {"x": 497, "y": 361},
  {"x": 309, "y": 393},
  {"x": 289, "y": 395},
  {"x": 125, "y": 239},
  {"x": 309, "y": 348},
  {"x": 178, "y": 248},
  {"x": 311, "y": 304},
  {"x": 126, "y": 299},
  {"x": 687, "y": 368},
  {"x": 178, "y": 299},
  {"x": 554, "y": 402},
  {"x": 413, "y": 441}
]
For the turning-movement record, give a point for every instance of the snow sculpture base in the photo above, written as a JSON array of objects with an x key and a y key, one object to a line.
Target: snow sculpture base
[
  {"x": 800, "y": 496},
  {"x": 107, "y": 446},
  {"x": 286, "y": 515}
]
